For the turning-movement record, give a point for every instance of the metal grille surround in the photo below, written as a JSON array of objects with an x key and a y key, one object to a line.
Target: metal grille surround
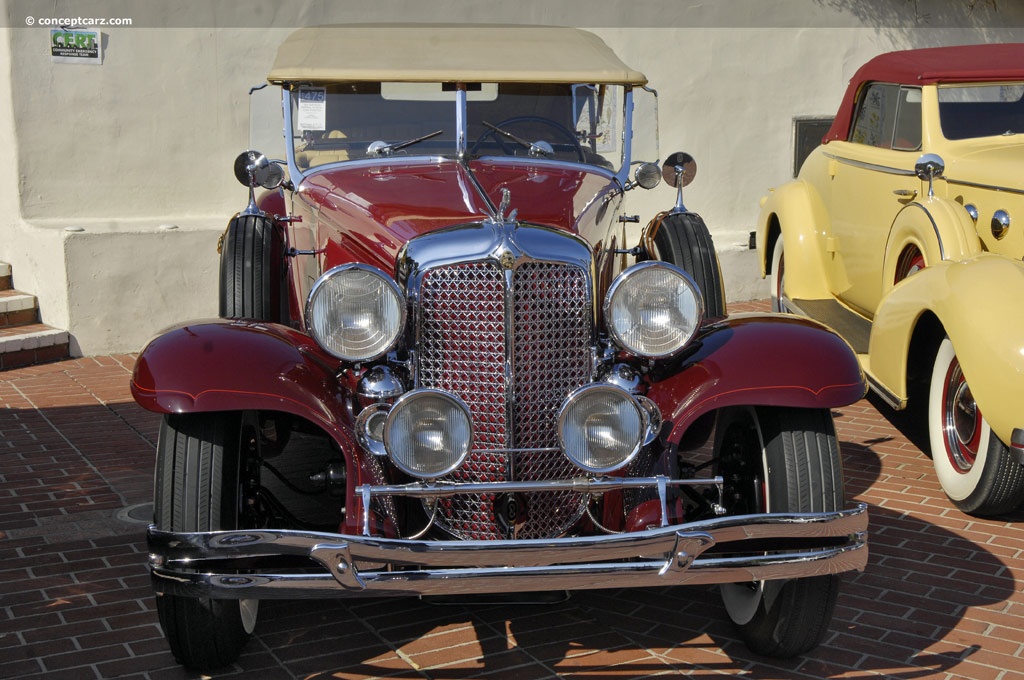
[{"x": 462, "y": 349}]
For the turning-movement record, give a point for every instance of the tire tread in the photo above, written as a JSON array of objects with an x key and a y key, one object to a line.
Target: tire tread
[
  {"x": 804, "y": 474},
  {"x": 194, "y": 456},
  {"x": 249, "y": 286}
]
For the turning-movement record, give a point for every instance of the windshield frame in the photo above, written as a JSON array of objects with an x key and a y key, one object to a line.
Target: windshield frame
[{"x": 624, "y": 113}]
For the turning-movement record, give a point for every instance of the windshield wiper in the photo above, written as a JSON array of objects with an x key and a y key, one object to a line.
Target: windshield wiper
[
  {"x": 540, "y": 148},
  {"x": 378, "y": 148}
]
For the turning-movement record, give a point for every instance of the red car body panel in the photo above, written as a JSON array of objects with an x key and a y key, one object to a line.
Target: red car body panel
[
  {"x": 801, "y": 370},
  {"x": 787, "y": 362},
  {"x": 367, "y": 213},
  {"x": 207, "y": 366}
]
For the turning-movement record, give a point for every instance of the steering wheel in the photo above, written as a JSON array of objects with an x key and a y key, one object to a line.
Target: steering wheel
[{"x": 502, "y": 136}]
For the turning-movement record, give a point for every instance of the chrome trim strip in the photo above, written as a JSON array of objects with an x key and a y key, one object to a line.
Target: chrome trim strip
[
  {"x": 871, "y": 166},
  {"x": 441, "y": 489},
  {"x": 445, "y": 489},
  {"x": 884, "y": 394},
  {"x": 911, "y": 173},
  {"x": 990, "y": 187},
  {"x": 935, "y": 228},
  {"x": 791, "y": 307},
  {"x": 492, "y": 210},
  {"x": 185, "y": 563}
]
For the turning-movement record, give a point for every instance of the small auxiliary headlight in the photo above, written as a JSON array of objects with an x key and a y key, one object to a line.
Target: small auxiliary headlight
[
  {"x": 601, "y": 427},
  {"x": 653, "y": 309},
  {"x": 428, "y": 433},
  {"x": 355, "y": 312}
]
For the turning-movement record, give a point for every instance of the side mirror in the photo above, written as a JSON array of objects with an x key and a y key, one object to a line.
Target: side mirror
[
  {"x": 253, "y": 169},
  {"x": 679, "y": 170},
  {"x": 929, "y": 167}
]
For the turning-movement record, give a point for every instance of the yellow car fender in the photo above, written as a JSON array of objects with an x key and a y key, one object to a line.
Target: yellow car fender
[
  {"x": 795, "y": 209},
  {"x": 939, "y": 229},
  {"x": 977, "y": 302}
]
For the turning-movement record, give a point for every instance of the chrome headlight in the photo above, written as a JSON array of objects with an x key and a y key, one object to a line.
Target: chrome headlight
[
  {"x": 356, "y": 312},
  {"x": 428, "y": 433},
  {"x": 601, "y": 427},
  {"x": 653, "y": 309}
]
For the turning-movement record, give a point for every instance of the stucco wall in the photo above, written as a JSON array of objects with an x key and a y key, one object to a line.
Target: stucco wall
[{"x": 146, "y": 140}]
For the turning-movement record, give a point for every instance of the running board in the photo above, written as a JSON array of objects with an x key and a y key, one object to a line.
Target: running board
[{"x": 853, "y": 328}]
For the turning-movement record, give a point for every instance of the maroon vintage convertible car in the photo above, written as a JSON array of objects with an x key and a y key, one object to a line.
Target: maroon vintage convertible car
[{"x": 443, "y": 366}]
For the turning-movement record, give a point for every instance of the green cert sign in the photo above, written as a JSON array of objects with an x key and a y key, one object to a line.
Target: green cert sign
[{"x": 76, "y": 46}]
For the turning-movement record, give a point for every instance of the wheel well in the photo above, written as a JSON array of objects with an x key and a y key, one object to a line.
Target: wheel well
[
  {"x": 773, "y": 234},
  {"x": 924, "y": 343}
]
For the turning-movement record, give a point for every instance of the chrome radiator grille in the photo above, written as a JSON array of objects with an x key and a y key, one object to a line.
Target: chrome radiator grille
[{"x": 462, "y": 349}]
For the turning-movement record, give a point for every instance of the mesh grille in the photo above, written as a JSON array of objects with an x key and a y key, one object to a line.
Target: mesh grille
[{"x": 462, "y": 350}]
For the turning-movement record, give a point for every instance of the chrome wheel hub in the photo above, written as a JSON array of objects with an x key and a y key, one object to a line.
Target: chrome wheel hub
[{"x": 961, "y": 420}]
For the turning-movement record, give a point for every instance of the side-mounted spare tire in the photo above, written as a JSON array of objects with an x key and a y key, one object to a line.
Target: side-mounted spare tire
[
  {"x": 683, "y": 239},
  {"x": 252, "y": 271}
]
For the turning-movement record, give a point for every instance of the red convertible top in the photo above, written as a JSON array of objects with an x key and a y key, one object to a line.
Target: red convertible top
[{"x": 960, "y": 64}]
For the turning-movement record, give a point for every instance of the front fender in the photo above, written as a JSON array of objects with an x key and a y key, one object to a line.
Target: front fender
[
  {"x": 977, "y": 301},
  {"x": 760, "y": 360},
  {"x": 794, "y": 213},
  {"x": 208, "y": 366}
]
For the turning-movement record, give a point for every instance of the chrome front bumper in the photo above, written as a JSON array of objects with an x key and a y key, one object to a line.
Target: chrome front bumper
[{"x": 219, "y": 564}]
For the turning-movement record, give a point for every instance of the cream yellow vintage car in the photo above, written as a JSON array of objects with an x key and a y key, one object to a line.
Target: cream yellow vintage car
[{"x": 904, "y": 231}]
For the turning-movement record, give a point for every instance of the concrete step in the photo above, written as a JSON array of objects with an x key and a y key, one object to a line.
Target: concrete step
[
  {"x": 17, "y": 308},
  {"x": 23, "y": 340},
  {"x": 30, "y": 344}
]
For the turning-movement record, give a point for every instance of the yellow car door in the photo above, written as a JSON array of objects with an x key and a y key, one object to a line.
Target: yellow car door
[{"x": 872, "y": 180}]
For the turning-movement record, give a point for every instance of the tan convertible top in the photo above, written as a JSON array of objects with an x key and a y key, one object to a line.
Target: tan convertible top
[{"x": 449, "y": 53}]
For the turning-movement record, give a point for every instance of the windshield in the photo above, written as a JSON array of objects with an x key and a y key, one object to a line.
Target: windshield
[
  {"x": 579, "y": 123},
  {"x": 988, "y": 110}
]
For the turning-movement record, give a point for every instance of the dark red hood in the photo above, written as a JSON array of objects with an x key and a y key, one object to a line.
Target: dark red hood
[{"x": 368, "y": 213}]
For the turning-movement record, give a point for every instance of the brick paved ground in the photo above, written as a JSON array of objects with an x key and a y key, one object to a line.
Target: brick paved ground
[{"x": 941, "y": 598}]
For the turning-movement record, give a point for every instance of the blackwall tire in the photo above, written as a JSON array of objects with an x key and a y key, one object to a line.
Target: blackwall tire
[
  {"x": 197, "y": 488},
  {"x": 251, "y": 270},
  {"x": 798, "y": 446},
  {"x": 683, "y": 239},
  {"x": 977, "y": 471}
]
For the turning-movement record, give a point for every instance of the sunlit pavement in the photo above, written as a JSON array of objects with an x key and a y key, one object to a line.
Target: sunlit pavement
[{"x": 941, "y": 597}]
